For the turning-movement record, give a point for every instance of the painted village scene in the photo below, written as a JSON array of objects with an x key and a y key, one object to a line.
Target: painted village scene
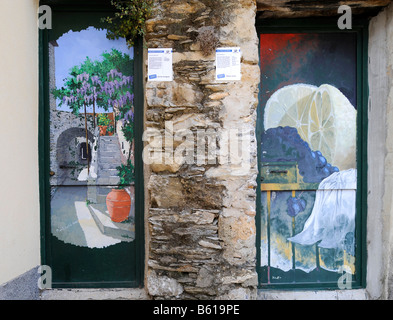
[
  {"x": 307, "y": 165},
  {"x": 92, "y": 139},
  {"x": 308, "y": 162}
]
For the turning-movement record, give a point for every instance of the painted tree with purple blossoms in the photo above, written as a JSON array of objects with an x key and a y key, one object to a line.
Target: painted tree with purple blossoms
[{"x": 108, "y": 84}]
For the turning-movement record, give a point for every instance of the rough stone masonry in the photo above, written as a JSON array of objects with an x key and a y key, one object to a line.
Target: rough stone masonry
[{"x": 201, "y": 217}]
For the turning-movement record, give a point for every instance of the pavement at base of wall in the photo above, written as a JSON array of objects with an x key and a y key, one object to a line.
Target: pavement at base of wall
[{"x": 94, "y": 294}]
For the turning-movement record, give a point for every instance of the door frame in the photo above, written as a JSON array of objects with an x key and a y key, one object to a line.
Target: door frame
[
  {"x": 44, "y": 146},
  {"x": 327, "y": 25}
]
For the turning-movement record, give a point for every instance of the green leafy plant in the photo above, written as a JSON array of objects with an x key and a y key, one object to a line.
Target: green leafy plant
[
  {"x": 103, "y": 119},
  {"x": 128, "y": 131},
  {"x": 126, "y": 174},
  {"x": 111, "y": 129},
  {"x": 126, "y": 171},
  {"x": 129, "y": 19}
]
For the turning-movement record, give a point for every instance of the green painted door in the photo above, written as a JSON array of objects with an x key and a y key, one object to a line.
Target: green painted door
[
  {"x": 93, "y": 236},
  {"x": 309, "y": 163}
]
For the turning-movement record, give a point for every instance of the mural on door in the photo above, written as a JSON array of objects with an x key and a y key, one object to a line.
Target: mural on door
[
  {"x": 308, "y": 157},
  {"x": 92, "y": 139}
]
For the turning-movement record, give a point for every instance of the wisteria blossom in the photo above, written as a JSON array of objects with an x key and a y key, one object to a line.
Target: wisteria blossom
[
  {"x": 129, "y": 116},
  {"x": 83, "y": 76},
  {"x": 111, "y": 91},
  {"x": 90, "y": 90}
]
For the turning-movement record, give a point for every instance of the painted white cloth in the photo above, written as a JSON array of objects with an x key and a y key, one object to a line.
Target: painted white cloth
[{"x": 332, "y": 220}]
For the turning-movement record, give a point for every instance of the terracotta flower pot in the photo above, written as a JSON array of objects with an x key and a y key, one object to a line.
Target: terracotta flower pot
[
  {"x": 118, "y": 202},
  {"x": 103, "y": 130}
]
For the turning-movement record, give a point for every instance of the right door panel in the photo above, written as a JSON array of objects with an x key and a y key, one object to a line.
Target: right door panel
[{"x": 308, "y": 165}]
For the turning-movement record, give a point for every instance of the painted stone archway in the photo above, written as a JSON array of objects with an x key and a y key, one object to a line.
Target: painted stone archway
[{"x": 70, "y": 161}]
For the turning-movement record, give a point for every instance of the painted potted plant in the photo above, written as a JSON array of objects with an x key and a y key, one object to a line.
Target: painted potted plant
[
  {"x": 103, "y": 122},
  {"x": 118, "y": 201},
  {"x": 110, "y": 130}
]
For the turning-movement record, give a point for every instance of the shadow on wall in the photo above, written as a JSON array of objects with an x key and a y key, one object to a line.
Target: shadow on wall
[
  {"x": 23, "y": 287},
  {"x": 72, "y": 155}
]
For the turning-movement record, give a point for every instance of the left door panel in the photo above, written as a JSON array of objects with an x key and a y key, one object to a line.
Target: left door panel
[{"x": 91, "y": 230}]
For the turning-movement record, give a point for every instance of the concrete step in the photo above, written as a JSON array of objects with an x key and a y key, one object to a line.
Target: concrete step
[
  {"x": 95, "y": 294},
  {"x": 108, "y": 159},
  {"x": 125, "y": 231},
  {"x": 109, "y": 173},
  {"x": 107, "y": 166},
  {"x": 109, "y": 147},
  {"x": 107, "y": 180},
  {"x": 109, "y": 155},
  {"x": 108, "y": 139},
  {"x": 102, "y": 192},
  {"x": 113, "y": 160},
  {"x": 101, "y": 198}
]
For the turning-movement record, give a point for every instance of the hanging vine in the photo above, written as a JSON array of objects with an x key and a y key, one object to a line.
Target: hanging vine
[{"x": 129, "y": 19}]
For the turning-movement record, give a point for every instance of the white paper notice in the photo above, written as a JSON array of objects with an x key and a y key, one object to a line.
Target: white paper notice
[
  {"x": 160, "y": 64},
  {"x": 228, "y": 63}
]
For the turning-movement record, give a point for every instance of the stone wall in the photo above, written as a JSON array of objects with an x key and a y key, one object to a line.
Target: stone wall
[
  {"x": 318, "y": 8},
  {"x": 380, "y": 162},
  {"x": 201, "y": 213},
  {"x": 378, "y": 87},
  {"x": 388, "y": 195},
  {"x": 380, "y": 169}
]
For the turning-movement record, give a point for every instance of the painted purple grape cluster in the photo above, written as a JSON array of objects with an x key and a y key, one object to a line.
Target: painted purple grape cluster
[
  {"x": 295, "y": 206},
  {"x": 285, "y": 144}
]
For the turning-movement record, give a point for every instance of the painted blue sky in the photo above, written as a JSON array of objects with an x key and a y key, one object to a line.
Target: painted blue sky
[{"x": 74, "y": 47}]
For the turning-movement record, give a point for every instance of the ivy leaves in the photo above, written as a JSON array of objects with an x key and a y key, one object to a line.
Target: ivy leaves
[
  {"x": 126, "y": 174},
  {"x": 129, "y": 20}
]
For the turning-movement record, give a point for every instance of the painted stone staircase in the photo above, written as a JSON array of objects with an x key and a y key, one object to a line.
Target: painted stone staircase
[{"x": 108, "y": 158}]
